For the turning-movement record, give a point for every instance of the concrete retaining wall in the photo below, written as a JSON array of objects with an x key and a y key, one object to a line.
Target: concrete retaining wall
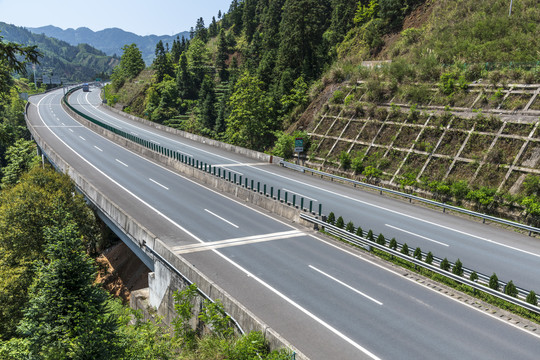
[
  {"x": 143, "y": 236},
  {"x": 252, "y": 154}
]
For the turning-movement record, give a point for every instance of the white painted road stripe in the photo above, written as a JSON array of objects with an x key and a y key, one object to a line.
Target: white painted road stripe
[
  {"x": 98, "y": 148},
  {"x": 122, "y": 163},
  {"x": 220, "y": 218},
  {"x": 223, "y": 167},
  {"x": 155, "y": 182},
  {"x": 82, "y": 138},
  {"x": 236, "y": 242},
  {"x": 304, "y": 196},
  {"x": 71, "y": 130},
  {"x": 420, "y": 236},
  {"x": 346, "y": 285}
]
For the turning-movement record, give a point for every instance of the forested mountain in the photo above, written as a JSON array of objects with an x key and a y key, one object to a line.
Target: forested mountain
[
  {"x": 110, "y": 41},
  {"x": 71, "y": 63}
]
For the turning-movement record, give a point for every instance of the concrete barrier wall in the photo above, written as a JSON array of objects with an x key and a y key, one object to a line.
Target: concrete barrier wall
[
  {"x": 286, "y": 211},
  {"x": 252, "y": 154},
  {"x": 141, "y": 235}
]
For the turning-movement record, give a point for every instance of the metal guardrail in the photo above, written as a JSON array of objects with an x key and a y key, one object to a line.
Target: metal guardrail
[
  {"x": 368, "y": 244},
  {"x": 485, "y": 217}
]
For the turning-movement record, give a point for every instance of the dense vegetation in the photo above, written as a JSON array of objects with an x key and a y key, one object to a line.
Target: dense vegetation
[{"x": 71, "y": 63}]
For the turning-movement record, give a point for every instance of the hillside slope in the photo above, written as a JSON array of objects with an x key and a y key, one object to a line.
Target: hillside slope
[
  {"x": 110, "y": 41},
  {"x": 71, "y": 63}
]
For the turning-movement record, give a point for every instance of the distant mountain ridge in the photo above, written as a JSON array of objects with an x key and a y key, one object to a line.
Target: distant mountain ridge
[
  {"x": 73, "y": 63},
  {"x": 110, "y": 40}
]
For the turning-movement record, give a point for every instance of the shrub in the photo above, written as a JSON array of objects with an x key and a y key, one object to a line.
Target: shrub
[
  {"x": 370, "y": 235},
  {"x": 348, "y": 100},
  {"x": 350, "y": 227},
  {"x": 405, "y": 249},
  {"x": 531, "y": 298},
  {"x": 417, "y": 253},
  {"x": 381, "y": 240},
  {"x": 429, "y": 258},
  {"x": 345, "y": 160},
  {"x": 393, "y": 244},
  {"x": 340, "y": 223},
  {"x": 359, "y": 231},
  {"x": 445, "y": 264},
  {"x": 510, "y": 289},
  {"x": 494, "y": 282},
  {"x": 458, "y": 268},
  {"x": 284, "y": 146},
  {"x": 337, "y": 97},
  {"x": 331, "y": 218},
  {"x": 357, "y": 165},
  {"x": 474, "y": 276}
]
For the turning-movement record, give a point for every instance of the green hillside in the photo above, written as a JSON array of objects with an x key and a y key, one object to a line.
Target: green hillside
[
  {"x": 71, "y": 63},
  {"x": 400, "y": 92}
]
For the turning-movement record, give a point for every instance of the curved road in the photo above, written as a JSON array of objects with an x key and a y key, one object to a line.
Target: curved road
[
  {"x": 486, "y": 249},
  {"x": 331, "y": 302}
]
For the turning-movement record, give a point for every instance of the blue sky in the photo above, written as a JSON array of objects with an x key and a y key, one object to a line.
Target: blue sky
[{"x": 143, "y": 17}]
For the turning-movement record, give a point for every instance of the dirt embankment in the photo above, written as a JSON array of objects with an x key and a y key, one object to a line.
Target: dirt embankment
[{"x": 120, "y": 271}]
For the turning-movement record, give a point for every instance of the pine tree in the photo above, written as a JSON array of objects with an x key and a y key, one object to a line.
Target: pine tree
[
  {"x": 222, "y": 56},
  {"x": 207, "y": 104},
  {"x": 494, "y": 282},
  {"x": 176, "y": 50},
  {"x": 67, "y": 314},
  {"x": 162, "y": 64},
  {"x": 184, "y": 81}
]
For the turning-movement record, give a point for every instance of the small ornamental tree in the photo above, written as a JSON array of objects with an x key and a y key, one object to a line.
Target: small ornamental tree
[
  {"x": 405, "y": 249},
  {"x": 370, "y": 235},
  {"x": 458, "y": 268},
  {"x": 445, "y": 265},
  {"x": 510, "y": 289},
  {"x": 359, "y": 231},
  {"x": 531, "y": 298},
  {"x": 393, "y": 244},
  {"x": 429, "y": 258},
  {"x": 340, "y": 223},
  {"x": 350, "y": 227},
  {"x": 381, "y": 240},
  {"x": 474, "y": 276},
  {"x": 494, "y": 282},
  {"x": 331, "y": 218},
  {"x": 417, "y": 253}
]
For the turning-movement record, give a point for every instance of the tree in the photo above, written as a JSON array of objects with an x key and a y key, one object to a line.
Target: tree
[
  {"x": 429, "y": 258},
  {"x": 15, "y": 56},
  {"x": 67, "y": 316},
  {"x": 531, "y": 298},
  {"x": 381, "y": 240},
  {"x": 207, "y": 104},
  {"x": 340, "y": 223},
  {"x": 200, "y": 31},
  {"x": 331, "y": 218},
  {"x": 249, "y": 123},
  {"x": 510, "y": 289},
  {"x": 20, "y": 158},
  {"x": 417, "y": 253},
  {"x": 222, "y": 56},
  {"x": 405, "y": 249},
  {"x": 350, "y": 227},
  {"x": 458, "y": 268},
  {"x": 131, "y": 61},
  {"x": 445, "y": 264},
  {"x": 359, "y": 231},
  {"x": 494, "y": 282},
  {"x": 184, "y": 79},
  {"x": 393, "y": 244},
  {"x": 162, "y": 64},
  {"x": 176, "y": 50}
]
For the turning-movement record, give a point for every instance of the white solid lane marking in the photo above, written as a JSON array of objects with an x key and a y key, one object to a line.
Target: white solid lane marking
[
  {"x": 98, "y": 148},
  {"x": 294, "y": 192},
  {"x": 346, "y": 285},
  {"x": 184, "y": 249},
  {"x": 122, "y": 163},
  {"x": 220, "y": 218},
  {"x": 155, "y": 142},
  {"x": 71, "y": 130},
  {"x": 420, "y": 236},
  {"x": 155, "y": 182},
  {"x": 134, "y": 133},
  {"x": 181, "y": 152},
  {"x": 82, "y": 138}
]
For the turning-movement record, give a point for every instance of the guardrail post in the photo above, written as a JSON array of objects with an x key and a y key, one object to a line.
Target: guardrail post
[
  {"x": 272, "y": 192},
  {"x": 235, "y": 178},
  {"x": 279, "y": 194},
  {"x": 294, "y": 200},
  {"x": 320, "y": 209},
  {"x": 258, "y": 186},
  {"x": 301, "y": 203},
  {"x": 219, "y": 172},
  {"x": 246, "y": 182},
  {"x": 197, "y": 164},
  {"x": 251, "y": 184},
  {"x": 286, "y": 194},
  {"x": 310, "y": 206},
  {"x": 229, "y": 176}
]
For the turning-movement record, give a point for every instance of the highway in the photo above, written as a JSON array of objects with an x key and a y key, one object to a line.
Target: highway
[
  {"x": 484, "y": 248},
  {"x": 330, "y": 301}
]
